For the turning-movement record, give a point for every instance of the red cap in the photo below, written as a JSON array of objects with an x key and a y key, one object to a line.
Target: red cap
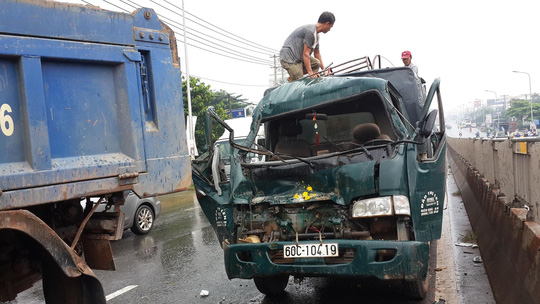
[{"x": 405, "y": 55}]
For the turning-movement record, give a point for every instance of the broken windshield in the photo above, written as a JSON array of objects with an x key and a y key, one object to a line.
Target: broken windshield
[{"x": 356, "y": 125}]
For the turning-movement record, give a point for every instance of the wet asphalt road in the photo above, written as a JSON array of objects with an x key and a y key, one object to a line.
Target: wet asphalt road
[{"x": 181, "y": 257}]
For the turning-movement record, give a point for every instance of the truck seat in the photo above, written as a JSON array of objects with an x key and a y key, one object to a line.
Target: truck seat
[
  {"x": 289, "y": 142},
  {"x": 365, "y": 132}
]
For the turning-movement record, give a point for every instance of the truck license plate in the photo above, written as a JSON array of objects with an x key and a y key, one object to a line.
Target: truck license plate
[{"x": 311, "y": 250}]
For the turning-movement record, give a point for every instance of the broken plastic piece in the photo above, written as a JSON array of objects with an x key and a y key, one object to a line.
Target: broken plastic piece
[
  {"x": 477, "y": 259},
  {"x": 466, "y": 245},
  {"x": 204, "y": 293}
]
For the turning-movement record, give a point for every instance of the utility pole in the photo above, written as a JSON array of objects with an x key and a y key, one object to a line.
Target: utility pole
[
  {"x": 230, "y": 107},
  {"x": 530, "y": 94},
  {"x": 504, "y": 101},
  {"x": 191, "y": 128},
  {"x": 275, "y": 70}
]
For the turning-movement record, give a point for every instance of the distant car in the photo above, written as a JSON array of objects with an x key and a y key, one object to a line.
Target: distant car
[
  {"x": 499, "y": 134},
  {"x": 139, "y": 213},
  {"x": 473, "y": 125},
  {"x": 448, "y": 127},
  {"x": 520, "y": 133}
]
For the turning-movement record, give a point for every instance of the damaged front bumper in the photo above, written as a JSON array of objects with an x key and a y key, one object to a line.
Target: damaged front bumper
[{"x": 385, "y": 260}]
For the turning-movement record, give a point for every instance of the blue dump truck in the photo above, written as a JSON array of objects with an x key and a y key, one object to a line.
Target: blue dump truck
[{"x": 90, "y": 106}]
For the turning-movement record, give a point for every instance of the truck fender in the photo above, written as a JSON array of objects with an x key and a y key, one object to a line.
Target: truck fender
[{"x": 63, "y": 267}]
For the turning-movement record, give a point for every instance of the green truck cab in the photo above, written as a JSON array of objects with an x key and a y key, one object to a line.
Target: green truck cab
[{"x": 353, "y": 182}]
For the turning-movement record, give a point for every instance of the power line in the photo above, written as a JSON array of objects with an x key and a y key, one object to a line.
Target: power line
[
  {"x": 249, "y": 60},
  {"x": 266, "y": 50},
  {"x": 224, "y": 48},
  {"x": 258, "y": 45},
  {"x": 246, "y": 58},
  {"x": 116, "y": 6},
  {"x": 220, "y": 40},
  {"x": 133, "y": 6},
  {"x": 238, "y": 84},
  {"x": 214, "y": 52},
  {"x": 195, "y": 46}
]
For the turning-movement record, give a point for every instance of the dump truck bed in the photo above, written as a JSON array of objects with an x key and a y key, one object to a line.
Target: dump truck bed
[{"x": 90, "y": 103}]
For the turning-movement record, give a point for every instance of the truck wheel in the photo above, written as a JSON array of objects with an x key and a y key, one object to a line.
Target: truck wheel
[
  {"x": 143, "y": 221},
  {"x": 61, "y": 289},
  {"x": 417, "y": 289},
  {"x": 271, "y": 286}
]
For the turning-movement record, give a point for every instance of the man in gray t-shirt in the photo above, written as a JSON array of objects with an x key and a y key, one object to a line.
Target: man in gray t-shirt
[{"x": 296, "y": 51}]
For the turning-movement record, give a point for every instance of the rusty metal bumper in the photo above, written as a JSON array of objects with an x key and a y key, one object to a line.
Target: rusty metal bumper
[{"x": 410, "y": 261}]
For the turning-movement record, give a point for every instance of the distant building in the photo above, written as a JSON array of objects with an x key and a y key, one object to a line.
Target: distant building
[{"x": 493, "y": 102}]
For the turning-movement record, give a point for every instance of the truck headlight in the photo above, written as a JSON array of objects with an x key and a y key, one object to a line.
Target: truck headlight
[
  {"x": 381, "y": 206},
  {"x": 377, "y": 206},
  {"x": 401, "y": 205}
]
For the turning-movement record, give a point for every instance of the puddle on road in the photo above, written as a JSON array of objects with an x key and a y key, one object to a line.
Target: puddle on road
[{"x": 183, "y": 199}]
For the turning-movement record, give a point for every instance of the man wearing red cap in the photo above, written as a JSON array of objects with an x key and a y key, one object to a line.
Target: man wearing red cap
[{"x": 406, "y": 57}]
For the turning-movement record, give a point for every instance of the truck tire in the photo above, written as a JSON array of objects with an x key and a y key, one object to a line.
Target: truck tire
[
  {"x": 143, "y": 221},
  {"x": 417, "y": 289},
  {"x": 272, "y": 286},
  {"x": 61, "y": 289}
]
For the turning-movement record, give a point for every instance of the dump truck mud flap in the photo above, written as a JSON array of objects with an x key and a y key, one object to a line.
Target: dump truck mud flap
[
  {"x": 408, "y": 260},
  {"x": 66, "y": 276}
]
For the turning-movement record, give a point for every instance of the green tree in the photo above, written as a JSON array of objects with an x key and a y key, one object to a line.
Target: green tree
[
  {"x": 521, "y": 108},
  {"x": 480, "y": 114},
  {"x": 201, "y": 98},
  {"x": 231, "y": 101},
  {"x": 535, "y": 98}
]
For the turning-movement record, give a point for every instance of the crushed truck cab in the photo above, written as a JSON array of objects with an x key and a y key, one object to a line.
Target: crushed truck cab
[{"x": 353, "y": 182}]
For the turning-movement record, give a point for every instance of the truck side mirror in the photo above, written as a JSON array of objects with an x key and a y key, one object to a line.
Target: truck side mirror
[{"x": 429, "y": 123}]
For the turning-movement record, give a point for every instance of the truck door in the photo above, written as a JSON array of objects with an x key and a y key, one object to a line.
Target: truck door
[
  {"x": 211, "y": 183},
  {"x": 427, "y": 169}
]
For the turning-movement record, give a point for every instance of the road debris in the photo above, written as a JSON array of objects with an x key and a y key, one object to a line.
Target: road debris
[
  {"x": 204, "y": 293},
  {"x": 477, "y": 259},
  {"x": 466, "y": 245}
]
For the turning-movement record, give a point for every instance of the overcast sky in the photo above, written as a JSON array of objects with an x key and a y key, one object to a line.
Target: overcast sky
[{"x": 472, "y": 46}]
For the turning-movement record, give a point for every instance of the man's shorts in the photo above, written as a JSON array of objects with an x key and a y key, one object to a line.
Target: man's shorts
[{"x": 297, "y": 70}]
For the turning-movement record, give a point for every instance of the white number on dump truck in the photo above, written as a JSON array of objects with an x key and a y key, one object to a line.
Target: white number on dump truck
[{"x": 6, "y": 122}]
